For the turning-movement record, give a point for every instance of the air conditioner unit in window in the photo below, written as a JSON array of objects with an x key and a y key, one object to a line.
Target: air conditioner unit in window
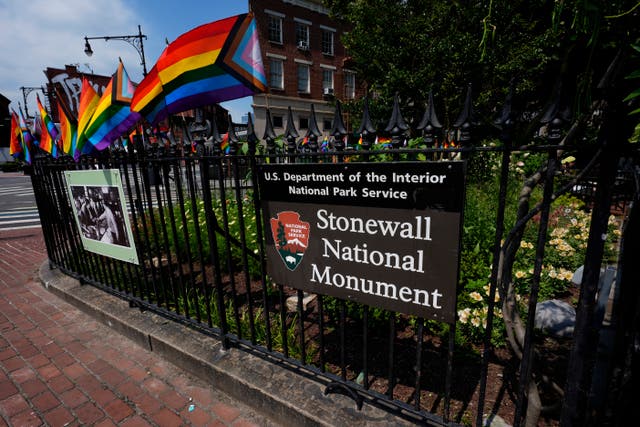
[
  {"x": 302, "y": 45},
  {"x": 327, "y": 91}
]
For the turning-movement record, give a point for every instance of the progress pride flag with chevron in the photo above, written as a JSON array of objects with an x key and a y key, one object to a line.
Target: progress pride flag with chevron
[{"x": 212, "y": 63}]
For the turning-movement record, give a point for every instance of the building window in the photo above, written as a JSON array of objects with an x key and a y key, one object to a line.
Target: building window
[
  {"x": 277, "y": 121},
  {"x": 302, "y": 35},
  {"x": 275, "y": 29},
  {"x": 327, "y": 81},
  {"x": 303, "y": 78},
  {"x": 303, "y": 123},
  {"x": 276, "y": 74},
  {"x": 349, "y": 85},
  {"x": 326, "y": 124},
  {"x": 327, "y": 42}
]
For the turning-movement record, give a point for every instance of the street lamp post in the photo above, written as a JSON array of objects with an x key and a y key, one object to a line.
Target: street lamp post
[{"x": 135, "y": 40}]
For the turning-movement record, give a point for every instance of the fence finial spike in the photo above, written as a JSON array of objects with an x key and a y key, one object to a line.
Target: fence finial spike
[
  {"x": 506, "y": 116},
  {"x": 467, "y": 115},
  {"x": 269, "y": 133},
  {"x": 313, "y": 129},
  {"x": 215, "y": 133},
  {"x": 396, "y": 122},
  {"x": 338, "y": 130},
  {"x": 429, "y": 118},
  {"x": 290, "y": 130},
  {"x": 366, "y": 127}
]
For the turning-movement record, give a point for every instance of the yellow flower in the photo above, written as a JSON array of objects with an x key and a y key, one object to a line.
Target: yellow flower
[
  {"x": 475, "y": 296},
  {"x": 520, "y": 274}
]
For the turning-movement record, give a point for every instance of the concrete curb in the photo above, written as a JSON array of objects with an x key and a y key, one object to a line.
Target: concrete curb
[{"x": 280, "y": 394}]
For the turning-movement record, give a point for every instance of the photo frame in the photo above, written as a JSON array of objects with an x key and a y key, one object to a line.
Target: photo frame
[{"x": 101, "y": 214}]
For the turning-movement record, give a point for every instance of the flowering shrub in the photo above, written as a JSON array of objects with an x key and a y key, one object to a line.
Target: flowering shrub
[{"x": 568, "y": 232}]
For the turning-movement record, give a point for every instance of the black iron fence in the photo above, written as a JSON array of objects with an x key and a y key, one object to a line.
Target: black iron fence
[{"x": 195, "y": 218}]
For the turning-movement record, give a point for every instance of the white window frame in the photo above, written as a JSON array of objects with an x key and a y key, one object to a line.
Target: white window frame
[
  {"x": 276, "y": 19},
  {"x": 349, "y": 84},
  {"x": 302, "y": 32},
  {"x": 328, "y": 71},
  {"x": 276, "y": 79},
  {"x": 304, "y": 65},
  {"x": 328, "y": 47}
]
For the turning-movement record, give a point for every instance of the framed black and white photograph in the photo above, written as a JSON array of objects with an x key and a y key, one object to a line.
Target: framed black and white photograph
[{"x": 100, "y": 209}]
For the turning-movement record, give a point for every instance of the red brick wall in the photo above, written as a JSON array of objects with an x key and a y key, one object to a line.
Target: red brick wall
[{"x": 290, "y": 50}]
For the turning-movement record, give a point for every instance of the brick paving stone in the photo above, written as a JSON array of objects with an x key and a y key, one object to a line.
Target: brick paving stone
[
  {"x": 103, "y": 396},
  {"x": 106, "y": 423},
  {"x": 59, "y": 417},
  {"x": 155, "y": 386},
  {"x": 73, "y": 398},
  {"x": 13, "y": 405},
  {"x": 173, "y": 400},
  {"x": 7, "y": 389},
  {"x": 38, "y": 360},
  {"x": 135, "y": 421},
  {"x": 89, "y": 413},
  {"x": 45, "y": 401},
  {"x": 118, "y": 410},
  {"x": 113, "y": 376},
  {"x": 148, "y": 404},
  {"x": 25, "y": 418},
  {"x": 225, "y": 412},
  {"x": 33, "y": 387},
  {"x": 23, "y": 375},
  {"x": 196, "y": 416},
  {"x": 60, "y": 384},
  {"x": 130, "y": 390},
  {"x": 74, "y": 371},
  {"x": 62, "y": 360},
  {"x": 13, "y": 364},
  {"x": 167, "y": 418},
  {"x": 49, "y": 371},
  {"x": 7, "y": 353}
]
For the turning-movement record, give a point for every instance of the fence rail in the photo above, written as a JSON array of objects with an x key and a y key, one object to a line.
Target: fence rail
[{"x": 200, "y": 239}]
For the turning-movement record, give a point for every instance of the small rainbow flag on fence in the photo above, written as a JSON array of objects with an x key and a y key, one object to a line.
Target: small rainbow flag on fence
[
  {"x": 49, "y": 132},
  {"x": 212, "y": 63},
  {"x": 88, "y": 103},
  {"x": 68, "y": 127},
  {"x": 15, "y": 144}
]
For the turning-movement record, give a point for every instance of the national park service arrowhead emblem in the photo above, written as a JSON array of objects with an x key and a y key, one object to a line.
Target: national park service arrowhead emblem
[{"x": 291, "y": 237}]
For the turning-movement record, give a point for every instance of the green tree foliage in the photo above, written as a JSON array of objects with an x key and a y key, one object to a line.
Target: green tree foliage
[{"x": 411, "y": 46}]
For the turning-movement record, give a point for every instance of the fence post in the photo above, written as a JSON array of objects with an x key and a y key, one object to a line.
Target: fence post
[{"x": 576, "y": 410}]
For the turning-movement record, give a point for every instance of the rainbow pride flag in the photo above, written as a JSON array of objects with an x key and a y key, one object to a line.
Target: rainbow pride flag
[
  {"x": 15, "y": 144},
  {"x": 88, "y": 103},
  {"x": 27, "y": 139},
  {"x": 48, "y": 131},
  {"x": 212, "y": 63},
  {"x": 68, "y": 127},
  {"x": 112, "y": 116}
]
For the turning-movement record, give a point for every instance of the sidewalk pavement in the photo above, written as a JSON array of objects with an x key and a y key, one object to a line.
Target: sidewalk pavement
[{"x": 59, "y": 366}]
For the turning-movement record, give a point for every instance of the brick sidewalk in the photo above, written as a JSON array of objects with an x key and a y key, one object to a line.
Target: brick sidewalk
[{"x": 59, "y": 367}]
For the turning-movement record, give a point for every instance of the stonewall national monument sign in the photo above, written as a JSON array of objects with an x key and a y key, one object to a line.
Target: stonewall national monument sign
[{"x": 382, "y": 234}]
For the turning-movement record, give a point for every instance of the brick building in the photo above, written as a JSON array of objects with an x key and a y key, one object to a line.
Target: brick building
[{"x": 305, "y": 64}]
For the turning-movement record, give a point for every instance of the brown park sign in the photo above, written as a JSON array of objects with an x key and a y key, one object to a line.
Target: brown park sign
[{"x": 382, "y": 234}]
